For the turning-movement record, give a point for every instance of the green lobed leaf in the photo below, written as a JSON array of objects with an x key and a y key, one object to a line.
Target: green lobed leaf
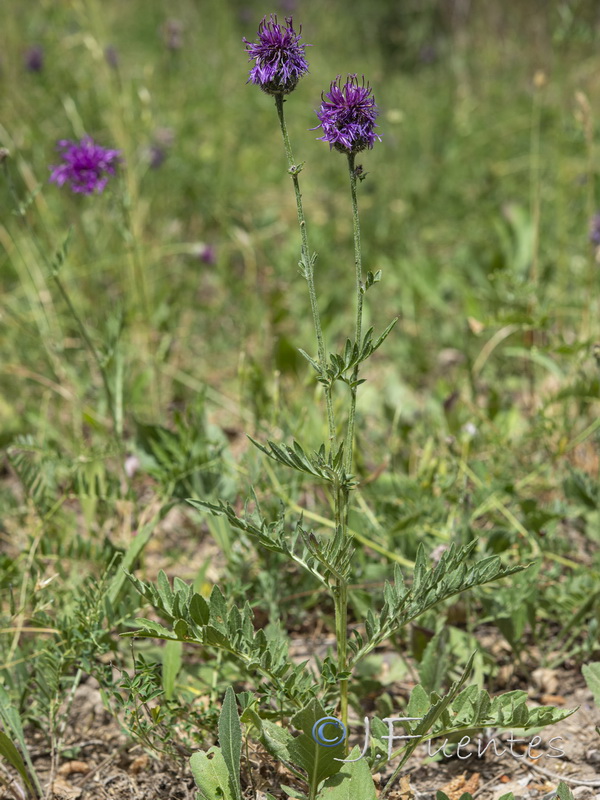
[
  {"x": 296, "y": 458},
  {"x": 215, "y": 624},
  {"x": 450, "y": 576}
]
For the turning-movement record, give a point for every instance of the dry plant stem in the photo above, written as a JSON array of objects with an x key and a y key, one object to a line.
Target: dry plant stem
[{"x": 307, "y": 264}]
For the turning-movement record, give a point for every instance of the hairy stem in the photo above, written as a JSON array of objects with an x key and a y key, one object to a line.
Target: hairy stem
[
  {"x": 340, "y": 599},
  {"x": 349, "y": 444},
  {"x": 307, "y": 264}
]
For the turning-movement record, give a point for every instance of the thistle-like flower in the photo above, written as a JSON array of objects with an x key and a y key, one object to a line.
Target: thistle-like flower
[
  {"x": 347, "y": 116},
  {"x": 279, "y": 57},
  {"x": 86, "y": 166}
]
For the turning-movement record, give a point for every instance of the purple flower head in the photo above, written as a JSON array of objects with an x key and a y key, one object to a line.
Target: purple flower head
[
  {"x": 34, "y": 58},
  {"x": 279, "y": 57},
  {"x": 347, "y": 116},
  {"x": 595, "y": 230},
  {"x": 86, "y": 166}
]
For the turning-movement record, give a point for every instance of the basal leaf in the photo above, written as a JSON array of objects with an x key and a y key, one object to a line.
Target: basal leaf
[
  {"x": 353, "y": 781},
  {"x": 230, "y": 739},
  {"x": 211, "y": 775},
  {"x": 10, "y": 753},
  {"x": 276, "y": 740},
  {"x": 317, "y": 760}
]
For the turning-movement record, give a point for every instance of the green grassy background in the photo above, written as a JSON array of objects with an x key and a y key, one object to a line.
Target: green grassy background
[
  {"x": 476, "y": 206},
  {"x": 447, "y": 210}
]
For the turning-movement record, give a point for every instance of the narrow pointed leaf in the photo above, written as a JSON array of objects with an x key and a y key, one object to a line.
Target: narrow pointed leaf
[{"x": 230, "y": 739}]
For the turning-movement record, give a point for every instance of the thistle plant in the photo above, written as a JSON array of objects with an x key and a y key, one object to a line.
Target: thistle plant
[{"x": 347, "y": 117}]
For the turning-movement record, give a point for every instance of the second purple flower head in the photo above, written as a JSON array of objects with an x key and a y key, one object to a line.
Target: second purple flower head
[
  {"x": 347, "y": 116},
  {"x": 86, "y": 166},
  {"x": 279, "y": 57}
]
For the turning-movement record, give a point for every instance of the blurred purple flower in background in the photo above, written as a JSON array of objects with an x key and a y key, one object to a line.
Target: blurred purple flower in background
[
  {"x": 208, "y": 254},
  {"x": 156, "y": 156},
  {"x": 159, "y": 149},
  {"x": 34, "y": 58},
  {"x": 595, "y": 229},
  {"x": 86, "y": 166},
  {"x": 173, "y": 34},
  {"x": 347, "y": 116},
  {"x": 111, "y": 56},
  {"x": 279, "y": 57}
]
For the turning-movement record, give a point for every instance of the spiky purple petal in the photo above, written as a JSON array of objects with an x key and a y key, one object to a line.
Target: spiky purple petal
[
  {"x": 86, "y": 166},
  {"x": 279, "y": 57},
  {"x": 347, "y": 116}
]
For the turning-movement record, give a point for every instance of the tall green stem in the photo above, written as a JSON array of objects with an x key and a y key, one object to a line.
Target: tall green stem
[
  {"x": 349, "y": 444},
  {"x": 117, "y": 427},
  {"x": 340, "y": 599},
  {"x": 342, "y": 499},
  {"x": 307, "y": 264}
]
